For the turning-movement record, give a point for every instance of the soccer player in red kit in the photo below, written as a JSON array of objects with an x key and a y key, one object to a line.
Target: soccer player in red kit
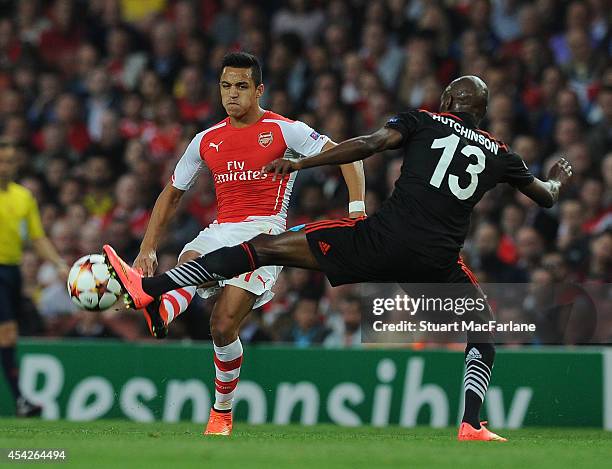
[{"x": 249, "y": 202}]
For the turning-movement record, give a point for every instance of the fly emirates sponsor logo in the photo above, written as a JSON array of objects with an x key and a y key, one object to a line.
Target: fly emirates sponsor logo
[{"x": 236, "y": 172}]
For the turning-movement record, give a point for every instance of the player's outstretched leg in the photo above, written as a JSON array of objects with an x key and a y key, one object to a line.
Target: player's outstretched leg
[
  {"x": 287, "y": 249},
  {"x": 479, "y": 360}
]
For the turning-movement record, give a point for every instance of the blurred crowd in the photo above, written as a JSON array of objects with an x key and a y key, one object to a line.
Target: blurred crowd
[{"x": 102, "y": 97}]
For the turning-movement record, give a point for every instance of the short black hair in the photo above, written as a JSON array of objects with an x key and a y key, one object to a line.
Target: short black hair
[{"x": 244, "y": 60}]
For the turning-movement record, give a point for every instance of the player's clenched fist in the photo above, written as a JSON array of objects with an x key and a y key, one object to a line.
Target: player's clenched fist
[
  {"x": 146, "y": 261},
  {"x": 281, "y": 167}
]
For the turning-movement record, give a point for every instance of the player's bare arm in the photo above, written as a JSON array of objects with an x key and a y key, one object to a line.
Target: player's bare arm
[
  {"x": 355, "y": 181},
  {"x": 354, "y": 178},
  {"x": 546, "y": 193},
  {"x": 349, "y": 151},
  {"x": 163, "y": 212}
]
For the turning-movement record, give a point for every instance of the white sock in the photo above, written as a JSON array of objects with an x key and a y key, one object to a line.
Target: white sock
[
  {"x": 228, "y": 360},
  {"x": 176, "y": 302}
]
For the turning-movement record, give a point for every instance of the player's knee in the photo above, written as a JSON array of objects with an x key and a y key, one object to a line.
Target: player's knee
[
  {"x": 8, "y": 334},
  {"x": 223, "y": 328}
]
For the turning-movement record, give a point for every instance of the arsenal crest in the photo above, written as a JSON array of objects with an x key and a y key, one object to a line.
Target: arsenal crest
[{"x": 265, "y": 139}]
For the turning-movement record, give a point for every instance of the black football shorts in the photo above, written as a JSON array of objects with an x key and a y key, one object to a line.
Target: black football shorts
[
  {"x": 10, "y": 292},
  {"x": 350, "y": 251}
]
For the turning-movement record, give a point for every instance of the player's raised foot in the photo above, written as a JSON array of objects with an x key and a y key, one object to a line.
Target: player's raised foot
[
  {"x": 129, "y": 278},
  {"x": 219, "y": 423},
  {"x": 469, "y": 433},
  {"x": 154, "y": 316},
  {"x": 24, "y": 408}
]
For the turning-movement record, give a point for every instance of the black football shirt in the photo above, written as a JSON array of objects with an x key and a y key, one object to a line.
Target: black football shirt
[{"x": 448, "y": 165}]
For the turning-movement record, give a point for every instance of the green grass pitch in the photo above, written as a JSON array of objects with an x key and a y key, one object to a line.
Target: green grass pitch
[{"x": 117, "y": 444}]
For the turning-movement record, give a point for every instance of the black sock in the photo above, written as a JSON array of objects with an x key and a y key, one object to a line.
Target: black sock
[
  {"x": 478, "y": 365},
  {"x": 221, "y": 264},
  {"x": 9, "y": 365}
]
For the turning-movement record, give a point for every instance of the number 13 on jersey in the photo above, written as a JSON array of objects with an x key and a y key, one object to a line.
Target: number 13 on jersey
[{"x": 449, "y": 145}]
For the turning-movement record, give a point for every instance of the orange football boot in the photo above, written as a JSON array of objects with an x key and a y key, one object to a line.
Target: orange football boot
[
  {"x": 157, "y": 318},
  {"x": 129, "y": 278},
  {"x": 219, "y": 423},
  {"x": 469, "y": 433}
]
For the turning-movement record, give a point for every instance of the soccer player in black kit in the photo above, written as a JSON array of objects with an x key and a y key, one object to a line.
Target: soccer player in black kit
[{"x": 416, "y": 235}]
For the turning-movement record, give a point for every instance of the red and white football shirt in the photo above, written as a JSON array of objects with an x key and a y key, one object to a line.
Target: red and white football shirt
[{"x": 236, "y": 156}]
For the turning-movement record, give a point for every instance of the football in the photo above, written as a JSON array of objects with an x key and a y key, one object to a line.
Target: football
[{"x": 90, "y": 284}]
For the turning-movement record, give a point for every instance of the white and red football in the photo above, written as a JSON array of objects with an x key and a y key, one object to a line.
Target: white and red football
[{"x": 90, "y": 284}]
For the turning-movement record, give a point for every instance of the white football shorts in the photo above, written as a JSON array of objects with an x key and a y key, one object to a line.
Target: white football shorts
[{"x": 218, "y": 235}]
